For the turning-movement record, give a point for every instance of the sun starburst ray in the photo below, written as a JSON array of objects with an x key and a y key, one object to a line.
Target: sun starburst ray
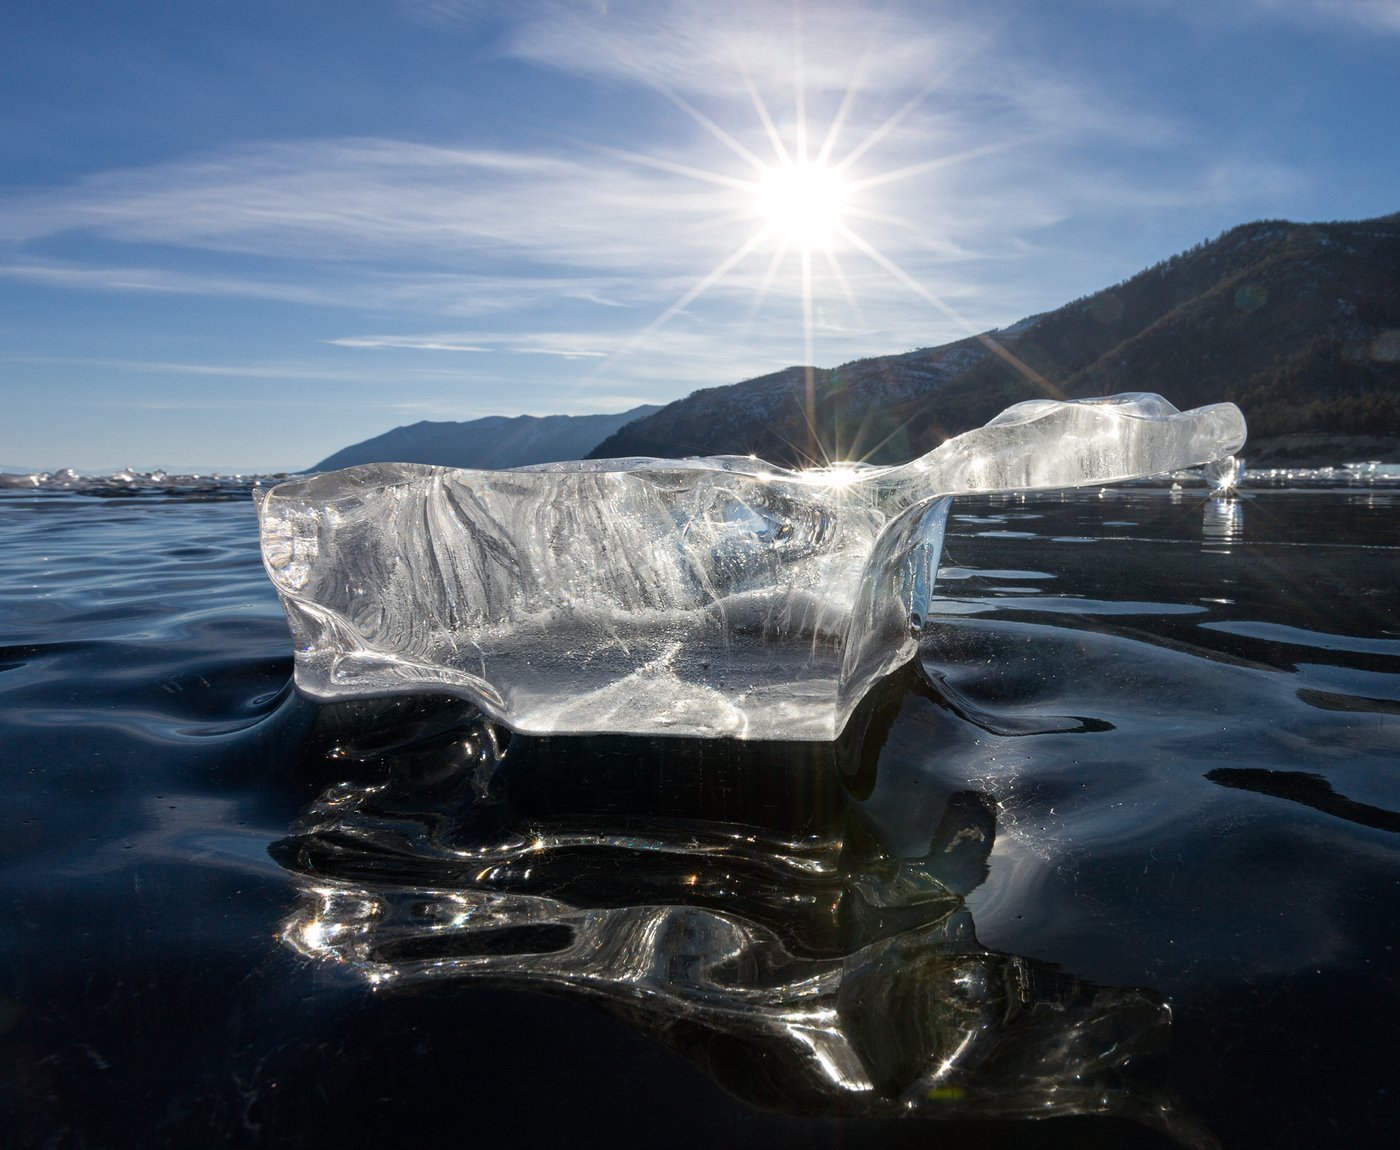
[
  {"x": 807, "y": 352},
  {"x": 859, "y": 451},
  {"x": 1023, "y": 369},
  {"x": 765, "y": 285},
  {"x": 714, "y": 129},
  {"x": 838, "y": 121},
  {"x": 854, "y": 86},
  {"x": 839, "y": 273},
  {"x": 875, "y": 216},
  {"x": 879, "y": 133},
  {"x": 805, "y": 202},
  {"x": 939, "y": 162},
  {"x": 765, "y": 118},
  {"x": 662, "y": 165},
  {"x": 694, "y": 292},
  {"x": 799, "y": 83}
]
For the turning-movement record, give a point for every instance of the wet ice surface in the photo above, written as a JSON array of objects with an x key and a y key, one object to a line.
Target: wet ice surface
[
  {"x": 1150, "y": 772},
  {"x": 695, "y": 597}
]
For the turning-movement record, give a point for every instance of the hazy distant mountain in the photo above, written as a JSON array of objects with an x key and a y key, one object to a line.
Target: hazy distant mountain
[
  {"x": 494, "y": 441},
  {"x": 1297, "y": 323}
]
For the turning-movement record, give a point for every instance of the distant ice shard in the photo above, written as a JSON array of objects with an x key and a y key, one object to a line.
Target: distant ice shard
[
  {"x": 700, "y": 597},
  {"x": 1224, "y": 475}
]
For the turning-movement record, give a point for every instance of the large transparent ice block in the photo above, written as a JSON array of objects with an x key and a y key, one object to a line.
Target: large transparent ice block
[{"x": 701, "y": 597}]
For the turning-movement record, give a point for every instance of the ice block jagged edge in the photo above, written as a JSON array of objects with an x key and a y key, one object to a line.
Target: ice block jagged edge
[{"x": 376, "y": 555}]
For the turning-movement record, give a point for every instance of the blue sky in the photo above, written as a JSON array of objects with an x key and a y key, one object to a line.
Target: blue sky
[{"x": 242, "y": 235}]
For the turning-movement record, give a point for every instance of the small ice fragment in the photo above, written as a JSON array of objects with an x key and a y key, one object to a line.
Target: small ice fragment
[
  {"x": 1224, "y": 475},
  {"x": 699, "y": 597}
]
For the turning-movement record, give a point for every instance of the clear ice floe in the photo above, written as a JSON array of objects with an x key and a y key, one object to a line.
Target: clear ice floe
[{"x": 699, "y": 597}]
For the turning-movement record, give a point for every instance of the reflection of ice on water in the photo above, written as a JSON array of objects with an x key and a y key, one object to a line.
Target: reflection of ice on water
[
  {"x": 1222, "y": 523},
  {"x": 731, "y": 900}
]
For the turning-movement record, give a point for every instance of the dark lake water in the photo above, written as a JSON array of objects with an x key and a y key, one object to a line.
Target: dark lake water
[{"x": 1116, "y": 867}]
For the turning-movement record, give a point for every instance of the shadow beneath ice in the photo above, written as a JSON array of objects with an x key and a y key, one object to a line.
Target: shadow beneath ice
[
  {"x": 733, "y": 900},
  {"x": 1308, "y": 789}
]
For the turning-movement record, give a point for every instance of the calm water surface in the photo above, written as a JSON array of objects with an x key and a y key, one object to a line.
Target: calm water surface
[{"x": 1117, "y": 867}]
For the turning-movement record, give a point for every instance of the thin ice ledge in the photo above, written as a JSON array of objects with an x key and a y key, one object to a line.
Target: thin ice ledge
[{"x": 698, "y": 597}]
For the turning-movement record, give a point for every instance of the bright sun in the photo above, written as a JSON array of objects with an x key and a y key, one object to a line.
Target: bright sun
[{"x": 803, "y": 203}]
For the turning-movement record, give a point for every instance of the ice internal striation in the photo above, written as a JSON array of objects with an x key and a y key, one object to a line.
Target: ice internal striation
[{"x": 698, "y": 597}]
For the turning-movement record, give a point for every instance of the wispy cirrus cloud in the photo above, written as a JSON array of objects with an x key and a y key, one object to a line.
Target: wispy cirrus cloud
[
  {"x": 393, "y": 224},
  {"x": 704, "y": 49},
  {"x": 386, "y": 225},
  {"x": 566, "y": 346},
  {"x": 276, "y": 370},
  {"x": 167, "y": 282},
  {"x": 692, "y": 355},
  {"x": 1374, "y": 15},
  {"x": 1343, "y": 16},
  {"x": 357, "y": 287},
  {"x": 946, "y": 72},
  {"x": 966, "y": 154},
  {"x": 906, "y": 92},
  {"x": 343, "y": 199},
  {"x": 413, "y": 342}
]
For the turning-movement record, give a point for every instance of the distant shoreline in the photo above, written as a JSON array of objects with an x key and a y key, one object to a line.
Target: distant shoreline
[
  {"x": 1320, "y": 449},
  {"x": 1305, "y": 450}
]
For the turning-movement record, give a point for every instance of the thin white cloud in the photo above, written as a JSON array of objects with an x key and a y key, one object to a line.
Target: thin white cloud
[
  {"x": 533, "y": 343},
  {"x": 363, "y": 286},
  {"x": 452, "y": 12},
  {"x": 678, "y": 359},
  {"x": 1373, "y": 15},
  {"x": 701, "y": 49},
  {"x": 409, "y": 342},
  {"x": 164, "y": 281},
  {"x": 342, "y": 199},
  {"x": 615, "y": 222},
  {"x": 1221, "y": 183},
  {"x": 387, "y": 226},
  {"x": 1334, "y": 15},
  {"x": 649, "y": 245},
  {"x": 944, "y": 69},
  {"x": 563, "y": 352},
  {"x": 276, "y": 369}
]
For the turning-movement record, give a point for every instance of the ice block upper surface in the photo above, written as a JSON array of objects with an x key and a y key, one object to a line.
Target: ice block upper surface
[{"x": 693, "y": 597}]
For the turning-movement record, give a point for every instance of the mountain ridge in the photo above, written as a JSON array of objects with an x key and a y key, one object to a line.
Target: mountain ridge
[
  {"x": 493, "y": 441},
  {"x": 1297, "y": 323}
]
